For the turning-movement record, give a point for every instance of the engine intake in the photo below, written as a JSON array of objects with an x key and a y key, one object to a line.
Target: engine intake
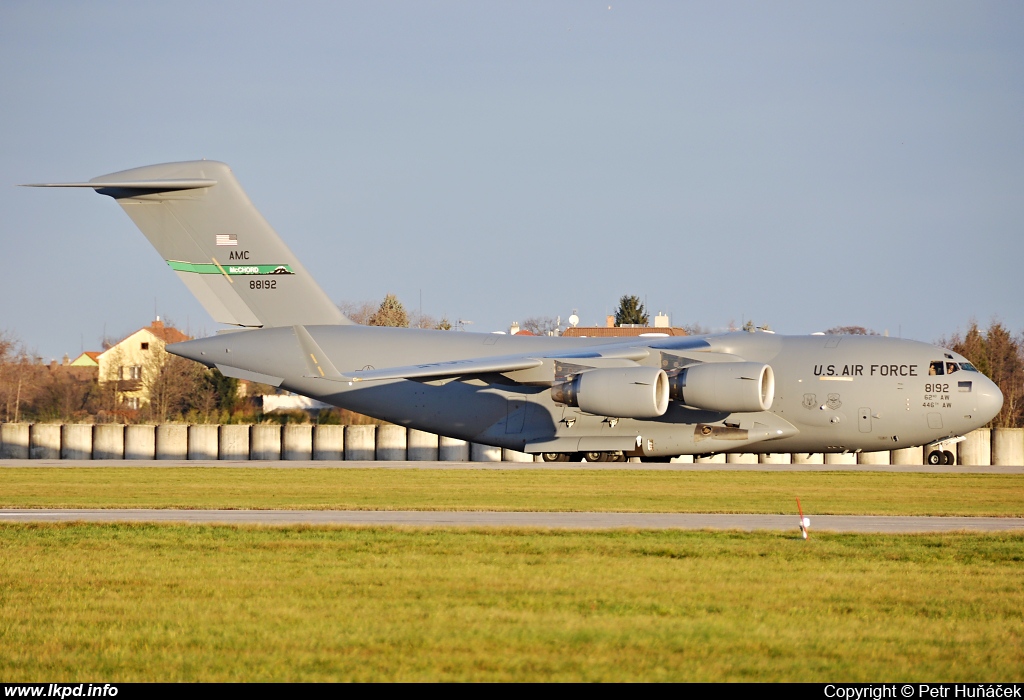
[
  {"x": 735, "y": 387},
  {"x": 619, "y": 392}
]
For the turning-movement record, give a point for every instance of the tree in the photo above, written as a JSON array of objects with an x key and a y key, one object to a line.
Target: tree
[
  {"x": 358, "y": 312},
  {"x": 1000, "y": 356},
  {"x": 174, "y": 385},
  {"x": 15, "y": 371},
  {"x": 540, "y": 325},
  {"x": 631, "y": 312},
  {"x": 390, "y": 313},
  {"x": 849, "y": 330}
]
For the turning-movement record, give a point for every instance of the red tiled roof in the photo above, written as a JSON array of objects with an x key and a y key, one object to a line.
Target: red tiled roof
[
  {"x": 618, "y": 332},
  {"x": 168, "y": 334}
]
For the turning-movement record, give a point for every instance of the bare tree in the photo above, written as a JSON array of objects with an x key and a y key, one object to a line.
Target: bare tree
[
  {"x": 850, "y": 330},
  {"x": 420, "y": 320},
  {"x": 18, "y": 378},
  {"x": 540, "y": 325},
  {"x": 173, "y": 383},
  {"x": 358, "y": 311}
]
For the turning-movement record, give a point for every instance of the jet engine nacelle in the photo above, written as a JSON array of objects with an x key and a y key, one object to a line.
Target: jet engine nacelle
[
  {"x": 619, "y": 392},
  {"x": 735, "y": 387}
]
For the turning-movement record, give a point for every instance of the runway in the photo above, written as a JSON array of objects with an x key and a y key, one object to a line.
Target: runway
[
  {"x": 509, "y": 466},
  {"x": 557, "y": 520}
]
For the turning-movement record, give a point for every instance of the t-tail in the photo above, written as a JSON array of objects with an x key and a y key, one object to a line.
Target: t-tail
[{"x": 201, "y": 221}]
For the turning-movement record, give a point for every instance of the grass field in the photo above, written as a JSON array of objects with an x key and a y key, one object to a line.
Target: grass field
[
  {"x": 821, "y": 493},
  {"x": 126, "y": 602},
  {"x": 138, "y": 602}
]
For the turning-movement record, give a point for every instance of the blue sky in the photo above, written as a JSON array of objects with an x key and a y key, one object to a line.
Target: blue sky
[{"x": 804, "y": 165}]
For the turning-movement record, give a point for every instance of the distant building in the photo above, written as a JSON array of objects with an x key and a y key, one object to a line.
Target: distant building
[
  {"x": 89, "y": 358},
  {"x": 514, "y": 329},
  {"x": 134, "y": 362},
  {"x": 661, "y": 327},
  {"x": 277, "y": 403}
]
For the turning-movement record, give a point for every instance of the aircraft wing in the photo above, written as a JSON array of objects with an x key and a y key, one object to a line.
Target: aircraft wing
[
  {"x": 620, "y": 354},
  {"x": 450, "y": 368}
]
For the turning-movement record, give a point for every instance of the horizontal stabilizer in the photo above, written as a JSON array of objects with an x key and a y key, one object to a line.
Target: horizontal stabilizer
[
  {"x": 237, "y": 373},
  {"x": 171, "y": 184}
]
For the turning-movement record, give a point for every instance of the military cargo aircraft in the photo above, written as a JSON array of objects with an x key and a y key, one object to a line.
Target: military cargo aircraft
[{"x": 599, "y": 399}]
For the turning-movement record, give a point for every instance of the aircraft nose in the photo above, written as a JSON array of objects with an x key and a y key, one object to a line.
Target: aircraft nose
[{"x": 990, "y": 402}]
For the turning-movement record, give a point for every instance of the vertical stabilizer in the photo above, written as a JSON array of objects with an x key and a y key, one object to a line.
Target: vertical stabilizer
[{"x": 201, "y": 221}]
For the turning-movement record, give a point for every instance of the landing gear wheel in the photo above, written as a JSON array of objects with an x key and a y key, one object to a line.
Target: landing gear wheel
[
  {"x": 595, "y": 456},
  {"x": 948, "y": 457},
  {"x": 617, "y": 457},
  {"x": 936, "y": 457},
  {"x": 555, "y": 457}
]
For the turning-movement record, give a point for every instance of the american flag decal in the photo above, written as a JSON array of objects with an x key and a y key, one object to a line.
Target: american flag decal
[{"x": 227, "y": 239}]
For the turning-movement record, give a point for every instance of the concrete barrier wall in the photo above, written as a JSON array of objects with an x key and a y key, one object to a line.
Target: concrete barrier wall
[
  {"x": 44, "y": 441},
  {"x": 391, "y": 443},
  {"x": 1007, "y": 446},
  {"x": 452, "y": 449},
  {"x": 108, "y": 441},
  {"x": 233, "y": 442},
  {"x": 329, "y": 442},
  {"x": 484, "y": 453},
  {"x": 203, "y": 442},
  {"x": 14, "y": 441},
  {"x": 508, "y": 455},
  {"x": 172, "y": 442},
  {"x": 297, "y": 442},
  {"x": 908, "y": 456},
  {"x": 975, "y": 448},
  {"x": 422, "y": 447},
  {"x": 873, "y": 457},
  {"x": 76, "y": 441},
  {"x": 983, "y": 447},
  {"x": 140, "y": 442},
  {"x": 265, "y": 442},
  {"x": 360, "y": 442}
]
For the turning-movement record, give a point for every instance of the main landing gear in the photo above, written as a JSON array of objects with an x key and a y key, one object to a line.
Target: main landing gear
[
  {"x": 941, "y": 457},
  {"x": 580, "y": 456}
]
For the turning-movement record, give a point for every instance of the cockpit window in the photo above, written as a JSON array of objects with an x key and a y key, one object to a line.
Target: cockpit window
[
  {"x": 951, "y": 367},
  {"x": 968, "y": 367},
  {"x": 935, "y": 368}
]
